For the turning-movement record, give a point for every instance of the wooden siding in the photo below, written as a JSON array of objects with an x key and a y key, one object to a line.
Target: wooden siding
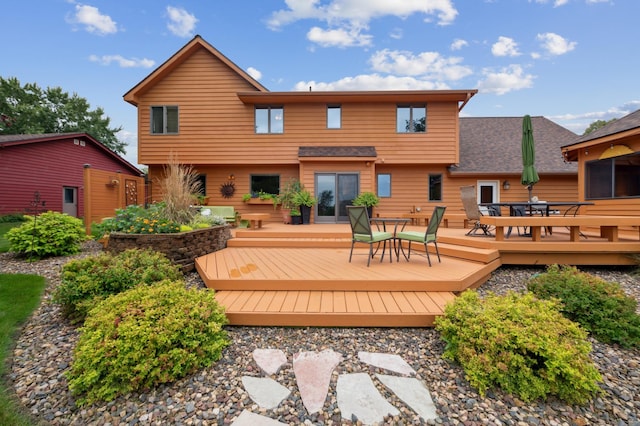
[
  {"x": 215, "y": 127},
  {"x": 47, "y": 167}
]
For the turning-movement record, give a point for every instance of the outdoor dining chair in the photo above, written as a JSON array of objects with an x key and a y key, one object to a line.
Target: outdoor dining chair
[
  {"x": 430, "y": 236},
  {"x": 361, "y": 232}
]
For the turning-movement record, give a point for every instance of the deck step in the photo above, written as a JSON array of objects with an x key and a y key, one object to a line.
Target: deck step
[
  {"x": 303, "y": 308},
  {"x": 475, "y": 254}
]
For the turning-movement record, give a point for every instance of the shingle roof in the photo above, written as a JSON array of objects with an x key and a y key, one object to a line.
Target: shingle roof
[
  {"x": 493, "y": 145},
  {"x": 337, "y": 151},
  {"x": 627, "y": 122}
]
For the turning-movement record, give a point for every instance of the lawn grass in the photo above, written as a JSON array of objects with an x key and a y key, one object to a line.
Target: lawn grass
[
  {"x": 19, "y": 296},
  {"x": 4, "y": 227}
]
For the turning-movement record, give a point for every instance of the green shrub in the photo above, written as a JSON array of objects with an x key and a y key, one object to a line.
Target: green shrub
[
  {"x": 49, "y": 234},
  {"x": 521, "y": 344},
  {"x": 13, "y": 217},
  {"x": 601, "y": 307},
  {"x": 144, "y": 337},
  {"x": 85, "y": 282}
]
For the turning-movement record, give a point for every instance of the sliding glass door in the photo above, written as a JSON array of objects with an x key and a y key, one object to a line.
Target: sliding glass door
[{"x": 335, "y": 191}]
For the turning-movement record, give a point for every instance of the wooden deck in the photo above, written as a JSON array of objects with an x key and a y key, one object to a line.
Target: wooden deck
[{"x": 284, "y": 275}]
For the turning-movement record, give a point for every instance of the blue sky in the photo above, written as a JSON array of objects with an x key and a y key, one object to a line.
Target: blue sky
[{"x": 572, "y": 61}]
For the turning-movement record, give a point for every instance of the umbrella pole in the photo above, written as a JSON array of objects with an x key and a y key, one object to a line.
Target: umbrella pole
[{"x": 530, "y": 188}]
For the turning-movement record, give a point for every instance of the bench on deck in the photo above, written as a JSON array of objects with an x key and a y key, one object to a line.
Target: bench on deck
[
  {"x": 608, "y": 224},
  {"x": 255, "y": 219},
  {"x": 227, "y": 212}
]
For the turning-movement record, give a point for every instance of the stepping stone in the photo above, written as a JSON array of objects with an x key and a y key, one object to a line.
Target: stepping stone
[
  {"x": 358, "y": 397},
  {"x": 313, "y": 375},
  {"x": 270, "y": 360},
  {"x": 413, "y": 392},
  {"x": 247, "y": 418},
  {"x": 265, "y": 391},
  {"x": 389, "y": 362}
]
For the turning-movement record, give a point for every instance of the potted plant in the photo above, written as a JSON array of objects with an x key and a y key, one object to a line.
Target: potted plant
[
  {"x": 201, "y": 199},
  {"x": 296, "y": 216},
  {"x": 304, "y": 200},
  {"x": 285, "y": 198},
  {"x": 367, "y": 199}
]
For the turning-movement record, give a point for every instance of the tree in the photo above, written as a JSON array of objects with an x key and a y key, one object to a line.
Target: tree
[
  {"x": 596, "y": 125},
  {"x": 29, "y": 109}
]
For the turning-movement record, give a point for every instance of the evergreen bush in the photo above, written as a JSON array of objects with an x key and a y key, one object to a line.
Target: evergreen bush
[
  {"x": 48, "y": 234},
  {"x": 521, "y": 344},
  {"x": 601, "y": 307},
  {"x": 85, "y": 282},
  {"x": 143, "y": 337}
]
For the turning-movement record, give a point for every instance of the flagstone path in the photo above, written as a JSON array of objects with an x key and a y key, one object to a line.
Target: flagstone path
[{"x": 357, "y": 396}]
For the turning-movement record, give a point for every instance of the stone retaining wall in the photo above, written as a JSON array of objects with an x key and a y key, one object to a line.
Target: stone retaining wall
[{"x": 181, "y": 248}]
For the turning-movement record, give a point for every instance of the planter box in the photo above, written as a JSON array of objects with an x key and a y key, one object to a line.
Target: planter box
[
  {"x": 259, "y": 201},
  {"x": 181, "y": 248}
]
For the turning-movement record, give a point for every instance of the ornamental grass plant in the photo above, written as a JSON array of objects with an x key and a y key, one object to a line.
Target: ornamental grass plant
[{"x": 179, "y": 184}]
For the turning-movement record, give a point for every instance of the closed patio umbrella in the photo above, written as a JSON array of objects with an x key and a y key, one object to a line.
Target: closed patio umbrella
[{"x": 529, "y": 175}]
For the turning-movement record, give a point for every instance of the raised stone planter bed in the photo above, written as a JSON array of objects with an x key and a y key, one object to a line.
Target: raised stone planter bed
[{"x": 181, "y": 248}]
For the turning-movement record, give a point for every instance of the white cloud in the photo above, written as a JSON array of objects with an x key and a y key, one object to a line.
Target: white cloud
[
  {"x": 93, "y": 20},
  {"x": 181, "y": 23},
  {"x": 555, "y": 44},
  {"x": 346, "y": 19},
  {"x": 254, "y": 73},
  {"x": 396, "y": 34},
  {"x": 338, "y": 37},
  {"x": 505, "y": 46},
  {"x": 360, "y": 11},
  {"x": 459, "y": 44},
  {"x": 504, "y": 81},
  {"x": 556, "y": 3},
  {"x": 122, "y": 61},
  {"x": 371, "y": 82},
  {"x": 429, "y": 65}
]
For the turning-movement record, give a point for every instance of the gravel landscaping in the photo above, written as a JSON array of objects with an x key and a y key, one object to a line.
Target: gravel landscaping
[{"x": 215, "y": 395}]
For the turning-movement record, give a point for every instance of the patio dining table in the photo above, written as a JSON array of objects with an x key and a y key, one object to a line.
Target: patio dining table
[
  {"x": 381, "y": 225},
  {"x": 544, "y": 206}
]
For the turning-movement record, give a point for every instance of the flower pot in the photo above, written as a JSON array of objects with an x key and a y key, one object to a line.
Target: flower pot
[
  {"x": 296, "y": 220},
  {"x": 286, "y": 216},
  {"x": 306, "y": 214}
]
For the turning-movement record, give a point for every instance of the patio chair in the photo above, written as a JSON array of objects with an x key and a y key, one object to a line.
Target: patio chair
[
  {"x": 361, "y": 232},
  {"x": 518, "y": 211},
  {"x": 429, "y": 236},
  {"x": 470, "y": 204}
]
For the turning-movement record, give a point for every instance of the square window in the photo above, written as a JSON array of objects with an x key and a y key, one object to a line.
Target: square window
[
  {"x": 411, "y": 119},
  {"x": 269, "y": 119},
  {"x": 164, "y": 120}
]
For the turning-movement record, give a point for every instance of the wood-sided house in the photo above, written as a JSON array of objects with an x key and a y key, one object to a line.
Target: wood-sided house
[
  {"x": 200, "y": 108},
  {"x": 609, "y": 166},
  {"x": 57, "y": 166}
]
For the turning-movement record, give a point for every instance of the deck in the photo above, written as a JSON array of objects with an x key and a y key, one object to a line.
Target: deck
[{"x": 284, "y": 275}]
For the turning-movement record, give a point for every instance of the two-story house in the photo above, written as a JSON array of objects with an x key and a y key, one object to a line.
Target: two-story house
[{"x": 203, "y": 110}]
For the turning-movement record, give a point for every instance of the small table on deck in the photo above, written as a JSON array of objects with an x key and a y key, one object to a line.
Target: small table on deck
[
  {"x": 396, "y": 221},
  {"x": 255, "y": 219}
]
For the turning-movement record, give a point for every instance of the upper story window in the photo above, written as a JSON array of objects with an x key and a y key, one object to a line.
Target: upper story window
[
  {"x": 617, "y": 177},
  {"x": 334, "y": 116},
  {"x": 411, "y": 119},
  {"x": 164, "y": 120},
  {"x": 269, "y": 119}
]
